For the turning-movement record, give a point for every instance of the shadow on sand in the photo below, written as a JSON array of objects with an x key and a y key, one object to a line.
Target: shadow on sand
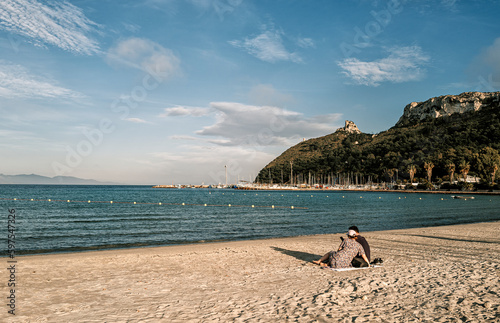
[
  {"x": 453, "y": 239},
  {"x": 304, "y": 256}
]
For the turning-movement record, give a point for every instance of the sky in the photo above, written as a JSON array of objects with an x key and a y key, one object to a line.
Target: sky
[{"x": 187, "y": 91}]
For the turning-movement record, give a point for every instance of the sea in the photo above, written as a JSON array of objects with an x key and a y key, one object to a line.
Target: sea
[{"x": 76, "y": 218}]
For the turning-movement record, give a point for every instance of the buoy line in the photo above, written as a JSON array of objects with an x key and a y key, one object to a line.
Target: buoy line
[{"x": 157, "y": 203}]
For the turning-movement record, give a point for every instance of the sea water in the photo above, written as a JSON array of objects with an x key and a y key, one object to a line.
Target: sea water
[{"x": 178, "y": 216}]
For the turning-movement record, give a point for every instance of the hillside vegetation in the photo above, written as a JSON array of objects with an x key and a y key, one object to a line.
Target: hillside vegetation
[{"x": 432, "y": 150}]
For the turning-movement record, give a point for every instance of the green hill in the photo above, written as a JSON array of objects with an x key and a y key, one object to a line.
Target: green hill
[{"x": 442, "y": 137}]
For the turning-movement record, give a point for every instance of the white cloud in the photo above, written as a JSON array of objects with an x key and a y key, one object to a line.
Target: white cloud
[
  {"x": 402, "y": 65},
  {"x": 306, "y": 43},
  {"x": 17, "y": 82},
  {"x": 59, "y": 24},
  {"x": 268, "y": 47},
  {"x": 184, "y": 137},
  {"x": 239, "y": 124},
  {"x": 185, "y": 111},
  {"x": 146, "y": 55},
  {"x": 247, "y": 125},
  {"x": 209, "y": 162}
]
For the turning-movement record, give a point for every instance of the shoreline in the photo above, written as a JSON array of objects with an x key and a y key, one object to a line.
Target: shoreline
[
  {"x": 368, "y": 190},
  {"x": 203, "y": 242},
  {"x": 195, "y": 186},
  {"x": 445, "y": 273},
  {"x": 311, "y": 189}
]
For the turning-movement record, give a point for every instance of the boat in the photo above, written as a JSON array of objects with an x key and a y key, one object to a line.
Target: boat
[{"x": 462, "y": 197}]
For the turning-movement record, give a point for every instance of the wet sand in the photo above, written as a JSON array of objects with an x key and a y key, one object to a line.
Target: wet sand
[{"x": 438, "y": 274}]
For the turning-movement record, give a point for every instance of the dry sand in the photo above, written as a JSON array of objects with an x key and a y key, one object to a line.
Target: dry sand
[{"x": 439, "y": 274}]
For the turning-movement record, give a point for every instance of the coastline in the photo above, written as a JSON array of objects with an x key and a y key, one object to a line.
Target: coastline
[
  {"x": 374, "y": 190},
  {"x": 430, "y": 274},
  {"x": 329, "y": 189},
  {"x": 149, "y": 217}
]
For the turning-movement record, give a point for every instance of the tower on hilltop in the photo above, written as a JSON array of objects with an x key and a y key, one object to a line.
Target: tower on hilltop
[{"x": 350, "y": 127}]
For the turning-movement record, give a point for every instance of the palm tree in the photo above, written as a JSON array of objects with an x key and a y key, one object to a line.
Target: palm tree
[
  {"x": 488, "y": 160},
  {"x": 464, "y": 169},
  {"x": 412, "y": 169},
  {"x": 428, "y": 167},
  {"x": 451, "y": 170},
  {"x": 390, "y": 173},
  {"x": 493, "y": 171}
]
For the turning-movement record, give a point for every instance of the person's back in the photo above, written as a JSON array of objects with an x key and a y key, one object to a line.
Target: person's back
[
  {"x": 358, "y": 261},
  {"x": 361, "y": 240}
]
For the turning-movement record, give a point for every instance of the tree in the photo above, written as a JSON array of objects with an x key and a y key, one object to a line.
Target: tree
[
  {"x": 450, "y": 166},
  {"x": 428, "y": 165},
  {"x": 445, "y": 141},
  {"x": 412, "y": 169},
  {"x": 464, "y": 169},
  {"x": 390, "y": 174},
  {"x": 488, "y": 160},
  {"x": 493, "y": 171}
]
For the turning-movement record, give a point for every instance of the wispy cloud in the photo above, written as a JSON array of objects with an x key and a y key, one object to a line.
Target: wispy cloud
[
  {"x": 306, "y": 42},
  {"x": 21, "y": 141},
  {"x": 146, "y": 55},
  {"x": 268, "y": 46},
  {"x": 17, "y": 82},
  {"x": 221, "y": 8},
  {"x": 180, "y": 111},
  {"x": 485, "y": 68},
  {"x": 133, "y": 28},
  {"x": 60, "y": 24},
  {"x": 239, "y": 124},
  {"x": 402, "y": 65},
  {"x": 243, "y": 137},
  {"x": 449, "y": 4},
  {"x": 136, "y": 120},
  {"x": 209, "y": 162}
]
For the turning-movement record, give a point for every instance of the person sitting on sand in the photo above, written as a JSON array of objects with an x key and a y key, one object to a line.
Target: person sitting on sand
[
  {"x": 342, "y": 258},
  {"x": 358, "y": 261}
]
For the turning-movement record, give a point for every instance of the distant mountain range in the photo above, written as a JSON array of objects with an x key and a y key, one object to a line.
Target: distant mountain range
[{"x": 57, "y": 180}]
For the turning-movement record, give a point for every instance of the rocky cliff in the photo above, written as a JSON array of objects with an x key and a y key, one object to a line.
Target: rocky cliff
[{"x": 447, "y": 105}]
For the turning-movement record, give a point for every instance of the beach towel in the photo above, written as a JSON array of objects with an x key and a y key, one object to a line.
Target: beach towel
[{"x": 354, "y": 268}]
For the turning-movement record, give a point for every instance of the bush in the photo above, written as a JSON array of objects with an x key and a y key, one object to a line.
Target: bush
[
  {"x": 409, "y": 187},
  {"x": 464, "y": 186},
  {"x": 425, "y": 186}
]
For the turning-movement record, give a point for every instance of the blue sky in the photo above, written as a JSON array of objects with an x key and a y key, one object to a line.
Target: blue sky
[{"x": 171, "y": 91}]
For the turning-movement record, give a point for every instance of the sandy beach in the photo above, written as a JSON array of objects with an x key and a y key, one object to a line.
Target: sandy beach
[{"x": 438, "y": 274}]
